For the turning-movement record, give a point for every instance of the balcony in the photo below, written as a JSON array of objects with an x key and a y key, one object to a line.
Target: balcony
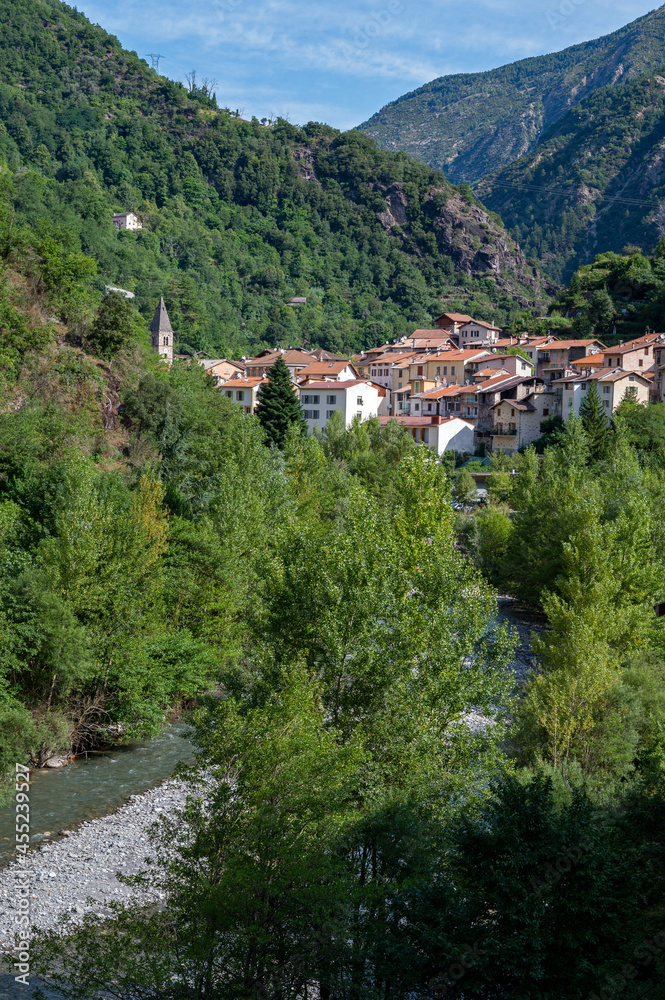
[{"x": 503, "y": 431}]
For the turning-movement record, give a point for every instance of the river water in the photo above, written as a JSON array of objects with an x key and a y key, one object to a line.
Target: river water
[{"x": 94, "y": 786}]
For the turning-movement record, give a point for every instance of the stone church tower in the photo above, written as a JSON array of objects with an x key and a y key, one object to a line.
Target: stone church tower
[{"x": 161, "y": 334}]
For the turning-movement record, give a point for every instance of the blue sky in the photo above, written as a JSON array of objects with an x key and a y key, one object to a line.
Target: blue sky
[{"x": 340, "y": 62}]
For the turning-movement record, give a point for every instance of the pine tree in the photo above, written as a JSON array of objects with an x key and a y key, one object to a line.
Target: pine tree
[
  {"x": 278, "y": 405},
  {"x": 594, "y": 422}
]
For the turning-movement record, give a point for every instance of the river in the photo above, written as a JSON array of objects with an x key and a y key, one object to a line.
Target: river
[{"x": 94, "y": 785}]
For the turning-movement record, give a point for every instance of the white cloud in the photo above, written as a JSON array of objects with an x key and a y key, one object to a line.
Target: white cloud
[{"x": 340, "y": 62}]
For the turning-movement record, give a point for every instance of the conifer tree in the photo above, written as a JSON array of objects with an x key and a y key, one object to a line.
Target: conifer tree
[
  {"x": 278, "y": 405},
  {"x": 594, "y": 422}
]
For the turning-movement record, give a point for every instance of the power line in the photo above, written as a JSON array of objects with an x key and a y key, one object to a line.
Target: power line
[{"x": 569, "y": 191}]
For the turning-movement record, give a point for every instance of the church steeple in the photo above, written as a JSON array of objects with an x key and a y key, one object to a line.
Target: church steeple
[{"x": 161, "y": 334}]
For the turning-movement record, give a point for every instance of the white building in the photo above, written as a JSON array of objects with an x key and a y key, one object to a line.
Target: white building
[
  {"x": 612, "y": 385},
  {"x": 354, "y": 398},
  {"x": 438, "y": 433},
  {"x": 126, "y": 220}
]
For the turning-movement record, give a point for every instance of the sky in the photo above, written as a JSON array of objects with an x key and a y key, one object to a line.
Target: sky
[{"x": 339, "y": 62}]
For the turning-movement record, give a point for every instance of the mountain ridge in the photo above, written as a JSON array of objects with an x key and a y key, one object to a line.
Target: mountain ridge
[
  {"x": 594, "y": 183},
  {"x": 452, "y": 125}
]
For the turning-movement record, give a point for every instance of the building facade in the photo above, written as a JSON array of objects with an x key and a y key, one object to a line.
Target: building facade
[{"x": 126, "y": 220}]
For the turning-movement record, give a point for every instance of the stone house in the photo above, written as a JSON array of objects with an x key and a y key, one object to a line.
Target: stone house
[{"x": 517, "y": 421}]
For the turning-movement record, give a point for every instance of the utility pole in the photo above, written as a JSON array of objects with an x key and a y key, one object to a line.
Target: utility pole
[{"x": 154, "y": 59}]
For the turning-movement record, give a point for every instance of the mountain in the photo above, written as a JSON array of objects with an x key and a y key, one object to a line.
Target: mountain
[
  {"x": 237, "y": 217},
  {"x": 471, "y": 124},
  {"x": 595, "y": 182}
]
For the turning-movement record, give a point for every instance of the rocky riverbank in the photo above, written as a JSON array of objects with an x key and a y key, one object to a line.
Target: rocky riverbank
[{"x": 65, "y": 875}]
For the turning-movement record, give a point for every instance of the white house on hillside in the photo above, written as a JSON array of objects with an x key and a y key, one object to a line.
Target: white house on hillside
[
  {"x": 126, "y": 220},
  {"x": 354, "y": 398}
]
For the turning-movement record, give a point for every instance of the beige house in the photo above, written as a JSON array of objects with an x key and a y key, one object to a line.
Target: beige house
[
  {"x": 555, "y": 357},
  {"x": 221, "y": 369},
  {"x": 243, "y": 391},
  {"x": 636, "y": 355},
  {"x": 513, "y": 363},
  {"x": 451, "y": 367},
  {"x": 477, "y": 333},
  {"x": 328, "y": 371},
  {"x": 517, "y": 421},
  {"x": 295, "y": 361},
  {"x": 392, "y": 370},
  {"x": 612, "y": 385}
]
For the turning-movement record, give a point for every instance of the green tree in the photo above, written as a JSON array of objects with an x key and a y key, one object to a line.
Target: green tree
[
  {"x": 594, "y": 421},
  {"x": 114, "y": 326},
  {"x": 464, "y": 487},
  {"x": 278, "y": 407}
]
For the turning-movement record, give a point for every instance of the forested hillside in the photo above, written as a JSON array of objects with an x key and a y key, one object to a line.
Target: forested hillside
[
  {"x": 595, "y": 182},
  {"x": 237, "y": 216},
  {"x": 471, "y": 123},
  {"x": 618, "y": 296}
]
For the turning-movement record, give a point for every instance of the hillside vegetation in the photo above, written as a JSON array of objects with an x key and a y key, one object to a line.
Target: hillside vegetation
[
  {"x": 471, "y": 123},
  {"x": 595, "y": 182},
  {"x": 238, "y": 216}
]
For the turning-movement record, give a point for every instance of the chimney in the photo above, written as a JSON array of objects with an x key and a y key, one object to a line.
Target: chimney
[{"x": 437, "y": 419}]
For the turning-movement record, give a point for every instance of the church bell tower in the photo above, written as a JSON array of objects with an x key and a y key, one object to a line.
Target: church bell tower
[{"x": 161, "y": 334}]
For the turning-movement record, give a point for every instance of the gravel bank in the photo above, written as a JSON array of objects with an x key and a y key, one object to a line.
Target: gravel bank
[{"x": 83, "y": 863}]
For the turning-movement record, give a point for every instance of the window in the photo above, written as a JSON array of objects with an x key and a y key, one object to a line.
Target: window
[
  {"x": 607, "y": 402},
  {"x": 420, "y": 369},
  {"x": 606, "y": 390},
  {"x": 359, "y": 414},
  {"x": 166, "y": 341},
  {"x": 310, "y": 399},
  {"x": 438, "y": 369},
  {"x": 311, "y": 414},
  {"x": 583, "y": 386},
  {"x": 399, "y": 385},
  {"x": 641, "y": 363},
  {"x": 631, "y": 378},
  {"x": 329, "y": 414},
  {"x": 400, "y": 373},
  {"x": 359, "y": 401},
  {"x": 416, "y": 406},
  {"x": 416, "y": 386},
  {"x": 331, "y": 399},
  {"x": 569, "y": 386},
  {"x": 546, "y": 411},
  {"x": 229, "y": 394},
  {"x": 445, "y": 369},
  {"x": 240, "y": 395},
  {"x": 452, "y": 370},
  {"x": 512, "y": 412},
  {"x": 429, "y": 407}
]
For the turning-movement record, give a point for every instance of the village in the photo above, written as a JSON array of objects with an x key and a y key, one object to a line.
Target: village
[{"x": 461, "y": 386}]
